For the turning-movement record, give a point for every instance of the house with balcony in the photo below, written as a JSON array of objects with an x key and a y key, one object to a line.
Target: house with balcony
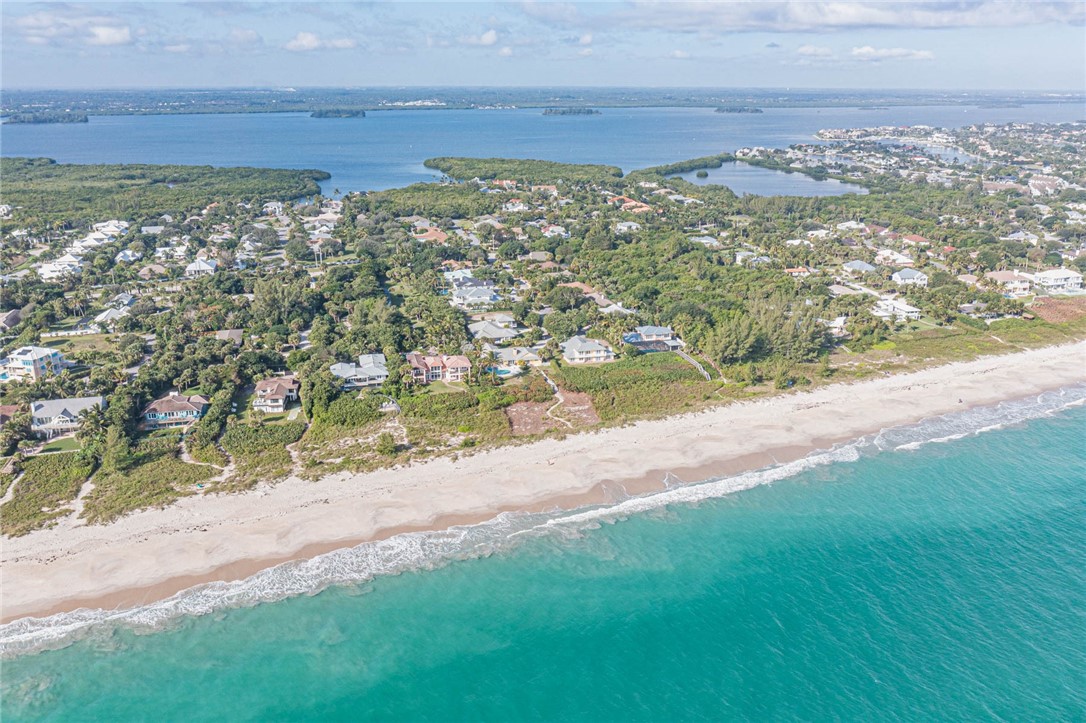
[
  {"x": 653, "y": 338},
  {"x": 273, "y": 395},
  {"x": 427, "y": 368},
  {"x": 174, "y": 410},
  {"x": 31, "y": 363},
  {"x": 1059, "y": 281},
  {"x": 909, "y": 277},
  {"x": 54, "y": 417},
  {"x": 582, "y": 350},
  {"x": 370, "y": 371}
]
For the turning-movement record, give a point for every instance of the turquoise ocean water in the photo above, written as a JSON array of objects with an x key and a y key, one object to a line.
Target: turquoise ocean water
[{"x": 931, "y": 572}]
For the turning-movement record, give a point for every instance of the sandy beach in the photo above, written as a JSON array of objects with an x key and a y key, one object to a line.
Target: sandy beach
[{"x": 153, "y": 554}]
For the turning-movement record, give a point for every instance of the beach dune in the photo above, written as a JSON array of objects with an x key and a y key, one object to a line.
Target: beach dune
[{"x": 152, "y": 554}]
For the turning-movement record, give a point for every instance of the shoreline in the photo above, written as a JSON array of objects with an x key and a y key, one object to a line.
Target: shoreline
[{"x": 151, "y": 555}]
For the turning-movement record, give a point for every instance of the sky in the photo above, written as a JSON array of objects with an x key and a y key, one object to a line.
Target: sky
[{"x": 960, "y": 45}]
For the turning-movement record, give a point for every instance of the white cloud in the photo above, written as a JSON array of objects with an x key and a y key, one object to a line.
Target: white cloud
[
  {"x": 679, "y": 54},
  {"x": 814, "y": 51},
  {"x": 67, "y": 24},
  {"x": 698, "y": 16},
  {"x": 177, "y": 48},
  {"x": 870, "y": 54},
  {"x": 585, "y": 39},
  {"x": 584, "y": 53},
  {"x": 490, "y": 37},
  {"x": 245, "y": 36},
  {"x": 306, "y": 41},
  {"x": 506, "y": 52},
  {"x": 109, "y": 35},
  {"x": 303, "y": 42}
]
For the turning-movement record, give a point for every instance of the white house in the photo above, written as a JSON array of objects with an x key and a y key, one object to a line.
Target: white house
[
  {"x": 370, "y": 371},
  {"x": 582, "y": 350},
  {"x": 31, "y": 363},
  {"x": 910, "y": 277},
  {"x": 1014, "y": 283},
  {"x": 201, "y": 267},
  {"x": 52, "y": 417},
  {"x": 627, "y": 227},
  {"x": 895, "y": 309},
  {"x": 1059, "y": 281}
]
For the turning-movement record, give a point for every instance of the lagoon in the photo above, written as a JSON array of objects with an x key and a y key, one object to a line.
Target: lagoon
[{"x": 386, "y": 149}]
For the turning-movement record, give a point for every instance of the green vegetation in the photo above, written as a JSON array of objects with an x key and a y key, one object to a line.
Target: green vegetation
[
  {"x": 48, "y": 484},
  {"x": 44, "y": 190},
  {"x": 338, "y": 113},
  {"x": 153, "y": 476},
  {"x": 46, "y": 117},
  {"x": 647, "y": 385},
  {"x": 523, "y": 170},
  {"x": 694, "y": 164},
  {"x": 570, "y": 111},
  {"x": 259, "y": 452},
  {"x": 64, "y": 444}
]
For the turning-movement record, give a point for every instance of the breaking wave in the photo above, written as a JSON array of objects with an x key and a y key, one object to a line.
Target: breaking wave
[{"x": 432, "y": 549}]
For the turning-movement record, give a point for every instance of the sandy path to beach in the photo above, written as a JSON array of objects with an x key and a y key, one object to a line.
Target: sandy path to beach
[{"x": 153, "y": 554}]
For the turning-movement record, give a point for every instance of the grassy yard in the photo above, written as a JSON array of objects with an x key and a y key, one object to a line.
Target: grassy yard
[
  {"x": 64, "y": 444},
  {"x": 49, "y": 483}
]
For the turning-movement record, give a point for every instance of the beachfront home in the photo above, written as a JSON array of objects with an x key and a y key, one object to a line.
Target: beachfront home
[
  {"x": 426, "y": 368},
  {"x": 511, "y": 358},
  {"x": 174, "y": 410},
  {"x": 653, "y": 338},
  {"x": 910, "y": 277},
  {"x": 370, "y": 371},
  {"x": 896, "y": 310},
  {"x": 31, "y": 363},
  {"x": 582, "y": 350},
  {"x": 1014, "y": 283},
  {"x": 53, "y": 417},
  {"x": 273, "y": 395},
  {"x": 1059, "y": 281}
]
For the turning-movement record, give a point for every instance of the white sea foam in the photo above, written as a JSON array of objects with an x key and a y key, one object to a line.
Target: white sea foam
[{"x": 428, "y": 550}]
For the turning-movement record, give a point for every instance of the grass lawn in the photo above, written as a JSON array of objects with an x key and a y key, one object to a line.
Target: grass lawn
[
  {"x": 64, "y": 444},
  {"x": 440, "y": 387}
]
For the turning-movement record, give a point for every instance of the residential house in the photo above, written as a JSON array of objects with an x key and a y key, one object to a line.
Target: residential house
[
  {"x": 273, "y": 395},
  {"x": 910, "y": 277},
  {"x": 54, "y": 417},
  {"x": 201, "y": 267},
  {"x": 627, "y": 227},
  {"x": 582, "y": 350},
  {"x": 426, "y": 368},
  {"x": 127, "y": 256},
  {"x": 370, "y": 371},
  {"x": 511, "y": 358},
  {"x": 151, "y": 270},
  {"x": 31, "y": 363},
  {"x": 1014, "y": 283},
  {"x": 10, "y": 319},
  {"x": 492, "y": 331},
  {"x": 895, "y": 309},
  {"x": 110, "y": 317},
  {"x": 653, "y": 338},
  {"x": 858, "y": 267},
  {"x": 1059, "y": 281},
  {"x": 174, "y": 410}
]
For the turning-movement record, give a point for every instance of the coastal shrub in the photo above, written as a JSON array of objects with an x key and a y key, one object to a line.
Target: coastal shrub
[
  {"x": 347, "y": 411},
  {"x": 48, "y": 483},
  {"x": 523, "y": 170},
  {"x": 259, "y": 453},
  {"x": 155, "y": 477}
]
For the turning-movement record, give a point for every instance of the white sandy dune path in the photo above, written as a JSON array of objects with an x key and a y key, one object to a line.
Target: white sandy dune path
[{"x": 200, "y": 534}]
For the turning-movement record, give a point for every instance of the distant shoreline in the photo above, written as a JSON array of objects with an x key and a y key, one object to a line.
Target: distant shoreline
[{"x": 153, "y": 554}]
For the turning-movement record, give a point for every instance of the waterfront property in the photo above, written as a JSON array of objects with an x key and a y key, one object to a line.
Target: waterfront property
[
  {"x": 174, "y": 410},
  {"x": 273, "y": 395},
  {"x": 582, "y": 350},
  {"x": 1059, "y": 281},
  {"x": 52, "y": 417},
  {"x": 426, "y": 368},
  {"x": 896, "y": 310},
  {"x": 370, "y": 371},
  {"x": 31, "y": 363},
  {"x": 653, "y": 338}
]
